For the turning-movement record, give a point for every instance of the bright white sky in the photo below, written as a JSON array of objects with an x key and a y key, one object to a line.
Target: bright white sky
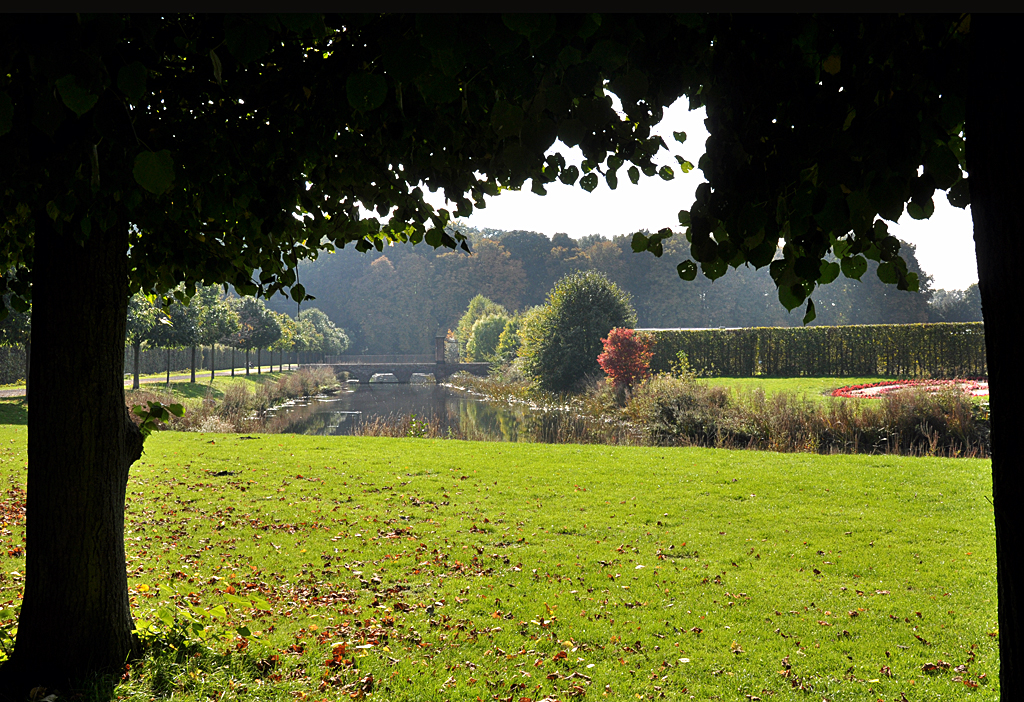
[{"x": 945, "y": 243}]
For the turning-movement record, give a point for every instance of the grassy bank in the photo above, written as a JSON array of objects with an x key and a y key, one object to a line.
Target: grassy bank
[
  {"x": 234, "y": 404},
  {"x": 281, "y": 567},
  {"x": 782, "y": 414}
]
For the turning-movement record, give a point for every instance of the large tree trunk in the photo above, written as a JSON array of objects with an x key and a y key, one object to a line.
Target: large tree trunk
[
  {"x": 995, "y": 155},
  {"x": 259, "y": 361},
  {"x": 247, "y": 361},
  {"x": 213, "y": 363},
  {"x": 193, "y": 364},
  {"x": 75, "y": 618}
]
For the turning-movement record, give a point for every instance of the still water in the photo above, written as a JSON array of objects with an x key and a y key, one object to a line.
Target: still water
[{"x": 441, "y": 411}]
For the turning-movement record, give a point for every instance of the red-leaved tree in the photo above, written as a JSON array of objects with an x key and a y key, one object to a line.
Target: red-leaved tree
[{"x": 627, "y": 356}]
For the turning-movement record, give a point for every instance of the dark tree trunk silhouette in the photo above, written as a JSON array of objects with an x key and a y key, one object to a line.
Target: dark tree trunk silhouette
[
  {"x": 76, "y": 590},
  {"x": 995, "y": 155}
]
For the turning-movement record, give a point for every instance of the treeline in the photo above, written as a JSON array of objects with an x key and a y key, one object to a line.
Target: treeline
[{"x": 394, "y": 301}]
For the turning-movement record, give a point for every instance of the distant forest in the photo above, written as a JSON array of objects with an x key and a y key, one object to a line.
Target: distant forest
[{"x": 395, "y": 301}]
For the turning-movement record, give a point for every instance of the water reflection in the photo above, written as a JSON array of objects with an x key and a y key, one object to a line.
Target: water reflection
[{"x": 438, "y": 411}]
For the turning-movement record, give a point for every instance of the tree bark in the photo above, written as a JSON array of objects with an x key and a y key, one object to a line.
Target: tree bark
[
  {"x": 259, "y": 361},
  {"x": 168, "y": 366},
  {"x": 247, "y": 361},
  {"x": 75, "y": 617},
  {"x": 28, "y": 366},
  {"x": 213, "y": 363},
  {"x": 995, "y": 155},
  {"x": 193, "y": 364}
]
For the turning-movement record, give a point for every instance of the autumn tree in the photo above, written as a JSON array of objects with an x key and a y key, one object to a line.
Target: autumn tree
[{"x": 626, "y": 358}]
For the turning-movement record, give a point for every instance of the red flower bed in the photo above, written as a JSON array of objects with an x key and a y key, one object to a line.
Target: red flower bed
[{"x": 971, "y": 386}]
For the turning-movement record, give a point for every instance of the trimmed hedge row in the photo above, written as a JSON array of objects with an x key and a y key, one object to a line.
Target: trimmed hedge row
[
  {"x": 12, "y": 364},
  {"x": 943, "y": 350}
]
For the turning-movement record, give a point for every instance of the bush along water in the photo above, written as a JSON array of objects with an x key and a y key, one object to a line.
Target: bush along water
[
  {"x": 684, "y": 411},
  {"x": 241, "y": 408}
]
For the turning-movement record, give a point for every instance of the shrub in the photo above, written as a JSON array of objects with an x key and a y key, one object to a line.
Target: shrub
[
  {"x": 561, "y": 340},
  {"x": 627, "y": 357},
  {"x": 483, "y": 338}
]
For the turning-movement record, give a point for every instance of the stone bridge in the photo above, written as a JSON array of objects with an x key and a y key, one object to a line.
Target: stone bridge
[{"x": 363, "y": 371}]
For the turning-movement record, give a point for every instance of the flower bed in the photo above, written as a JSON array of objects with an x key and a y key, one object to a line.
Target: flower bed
[{"x": 974, "y": 387}]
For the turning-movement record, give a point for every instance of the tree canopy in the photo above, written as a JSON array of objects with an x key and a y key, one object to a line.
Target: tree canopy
[{"x": 145, "y": 151}]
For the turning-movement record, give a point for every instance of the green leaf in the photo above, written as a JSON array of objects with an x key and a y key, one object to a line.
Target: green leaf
[
  {"x": 166, "y": 615},
  {"x": 639, "y": 242},
  {"x": 154, "y": 171},
  {"x": 714, "y": 269},
  {"x": 634, "y": 174},
  {"x": 943, "y": 165},
  {"x": 810, "y": 314},
  {"x": 218, "y": 67},
  {"x": 861, "y": 211},
  {"x": 78, "y": 99},
  {"x": 366, "y": 91},
  {"x": 298, "y": 292},
  {"x": 854, "y": 266},
  {"x": 887, "y": 273},
  {"x": 176, "y": 409},
  {"x": 666, "y": 173},
  {"x": 829, "y": 272},
  {"x": 889, "y": 247},
  {"x": 589, "y": 182},
  {"x": 612, "y": 180},
  {"x": 243, "y": 631},
  {"x": 506, "y": 119},
  {"x": 841, "y": 247},
  {"x": 687, "y": 270},
  {"x": 6, "y": 113},
  {"x": 684, "y": 165},
  {"x": 788, "y": 298},
  {"x": 131, "y": 80},
  {"x": 684, "y": 218},
  {"x": 218, "y": 612},
  {"x": 849, "y": 119},
  {"x": 680, "y": 137},
  {"x": 569, "y": 175},
  {"x": 960, "y": 194}
]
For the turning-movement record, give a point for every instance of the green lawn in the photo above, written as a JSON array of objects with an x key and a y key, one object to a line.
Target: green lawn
[
  {"x": 183, "y": 389},
  {"x": 812, "y": 388},
  {"x": 444, "y": 570}
]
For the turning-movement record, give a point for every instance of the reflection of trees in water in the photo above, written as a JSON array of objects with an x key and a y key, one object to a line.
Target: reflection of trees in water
[
  {"x": 305, "y": 419},
  {"x": 483, "y": 421},
  {"x": 447, "y": 416}
]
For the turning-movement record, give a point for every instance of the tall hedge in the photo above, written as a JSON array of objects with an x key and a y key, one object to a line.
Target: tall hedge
[{"x": 944, "y": 350}]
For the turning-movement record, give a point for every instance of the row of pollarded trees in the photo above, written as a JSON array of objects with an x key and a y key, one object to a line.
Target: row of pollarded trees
[{"x": 243, "y": 323}]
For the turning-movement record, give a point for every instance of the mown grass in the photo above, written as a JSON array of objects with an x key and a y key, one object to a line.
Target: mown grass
[
  {"x": 413, "y": 569},
  {"x": 811, "y": 388}
]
